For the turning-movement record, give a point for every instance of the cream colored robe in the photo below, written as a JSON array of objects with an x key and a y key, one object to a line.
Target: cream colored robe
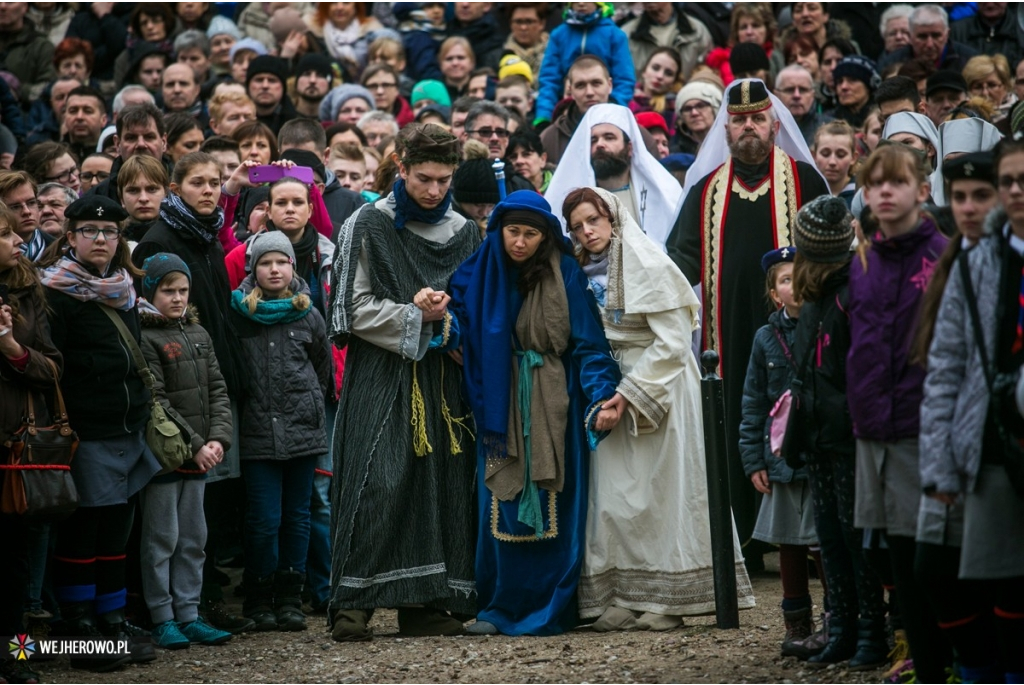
[{"x": 648, "y": 545}]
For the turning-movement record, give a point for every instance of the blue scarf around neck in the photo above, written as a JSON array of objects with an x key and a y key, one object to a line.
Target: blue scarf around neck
[{"x": 407, "y": 210}]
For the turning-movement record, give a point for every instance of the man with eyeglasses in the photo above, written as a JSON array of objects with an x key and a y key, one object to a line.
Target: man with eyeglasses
[
  {"x": 929, "y": 39},
  {"x": 488, "y": 122},
  {"x": 794, "y": 86},
  {"x": 528, "y": 39},
  {"x": 18, "y": 192},
  {"x": 85, "y": 116},
  {"x": 53, "y": 198}
]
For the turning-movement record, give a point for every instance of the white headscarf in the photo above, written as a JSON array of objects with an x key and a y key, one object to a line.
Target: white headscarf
[
  {"x": 714, "y": 151},
  {"x": 646, "y": 173},
  {"x": 922, "y": 127},
  {"x": 967, "y": 135}
]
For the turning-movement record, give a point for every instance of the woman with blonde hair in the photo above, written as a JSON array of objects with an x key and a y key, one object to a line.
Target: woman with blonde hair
[
  {"x": 457, "y": 61},
  {"x": 989, "y": 77}
]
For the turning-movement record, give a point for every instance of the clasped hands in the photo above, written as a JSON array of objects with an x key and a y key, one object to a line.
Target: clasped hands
[
  {"x": 433, "y": 303},
  {"x": 611, "y": 413}
]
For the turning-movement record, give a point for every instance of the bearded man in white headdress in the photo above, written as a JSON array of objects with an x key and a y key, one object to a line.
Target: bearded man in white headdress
[
  {"x": 741, "y": 197},
  {"x": 607, "y": 151}
]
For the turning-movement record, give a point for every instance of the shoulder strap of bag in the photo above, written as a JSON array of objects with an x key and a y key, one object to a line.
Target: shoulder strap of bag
[
  {"x": 785, "y": 348},
  {"x": 141, "y": 367},
  {"x": 972, "y": 308}
]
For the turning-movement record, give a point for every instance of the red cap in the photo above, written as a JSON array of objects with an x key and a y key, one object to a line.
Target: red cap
[{"x": 652, "y": 120}]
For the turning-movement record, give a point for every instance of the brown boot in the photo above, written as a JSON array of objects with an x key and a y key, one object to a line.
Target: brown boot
[
  {"x": 423, "y": 622},
  {"x": 799, "y": 627},
  {"x": 351, "y": 625},
  {"x": 813, "y": 644}
]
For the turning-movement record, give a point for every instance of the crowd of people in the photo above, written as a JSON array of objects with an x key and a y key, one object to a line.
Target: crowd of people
[{"x": 423, "y": 287}]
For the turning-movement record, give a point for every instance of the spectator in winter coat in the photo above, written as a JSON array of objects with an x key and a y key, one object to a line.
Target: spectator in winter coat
[
  {"x": 992, "y": 31},
  {"x": 588, "y": 29},
  {"x": 103, "y": 26},
  {"x": 665, "y": 24},
  {"x": 528, "y": 39},
  {"x": 475, "y": 22},
  {"x": 420, "y": 38},
  {"x": 930, "y": 39},
  {"x": 28, "y": 55}
]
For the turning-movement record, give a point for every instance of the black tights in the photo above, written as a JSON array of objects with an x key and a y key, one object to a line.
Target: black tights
[{"x": 89, "y": 561}]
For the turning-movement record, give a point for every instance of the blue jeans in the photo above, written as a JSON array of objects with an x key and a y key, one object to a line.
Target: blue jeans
[
  {"x": 277, "y": 514},
  {"x": 318, "y": 562}
]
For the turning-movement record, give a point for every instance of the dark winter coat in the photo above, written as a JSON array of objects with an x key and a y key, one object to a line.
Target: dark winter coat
[
  {"x": 1005, "y": 38},
  {"x": 28, "y": 55},
  {"x": 288, "y": 374},
  {"x": 885, "y": 388},
  {"x": 188, "y": 381},
  {"x": 768, "y": 376},
  {"x": 820, "y": 345},
  {"x": 210, "y": 292},
  {"x": 32, "y": 330},
  {"x": 484, "y": 35},
  {"x": 104, "y": 393},
  {"x": 107, "y": 36}
]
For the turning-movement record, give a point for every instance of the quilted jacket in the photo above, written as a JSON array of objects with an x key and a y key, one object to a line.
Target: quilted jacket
[
  {"x": 188, "y": 381},
  {"x": 288, "y": 373}
]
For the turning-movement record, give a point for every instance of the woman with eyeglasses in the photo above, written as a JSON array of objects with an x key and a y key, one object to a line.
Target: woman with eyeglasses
[
  {"x": 88, "y": 277},
  {"x": 51, "y": 162},
  {"x": 697, "y": 105},
  {"x": 95, "y": 169}
]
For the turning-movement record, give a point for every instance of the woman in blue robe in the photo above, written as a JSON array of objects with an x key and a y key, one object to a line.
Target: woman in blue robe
[{"x": 538, "y": 369}]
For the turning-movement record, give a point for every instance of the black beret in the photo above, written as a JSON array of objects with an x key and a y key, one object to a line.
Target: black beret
[
  {"x": 95, "y": 208},
  {"x": 976, "y": 166}
]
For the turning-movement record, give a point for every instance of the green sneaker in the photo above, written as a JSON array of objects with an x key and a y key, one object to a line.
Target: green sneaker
[
  {"x": 202, "y": 633},
  {"x": 168, "y": 636}
]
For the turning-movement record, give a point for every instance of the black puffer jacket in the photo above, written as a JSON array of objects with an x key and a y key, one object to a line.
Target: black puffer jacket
[
  {"x": 105, "y": 396},
  {"x": 823, "y": 339},
  {"x": 288, "y": 372},
  {"x": 188, "y": 381}
]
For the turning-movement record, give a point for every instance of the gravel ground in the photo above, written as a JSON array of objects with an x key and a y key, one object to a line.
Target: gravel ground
[{"x": 697, "y": 652}]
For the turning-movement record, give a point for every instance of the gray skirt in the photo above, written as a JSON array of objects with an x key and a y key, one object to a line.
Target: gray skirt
[
  {"x": 888, "y": 486},
  {"x": 110, "y": 471},
  {"x": 993, "y": 545},
  {"x": 787, "y": 515}
]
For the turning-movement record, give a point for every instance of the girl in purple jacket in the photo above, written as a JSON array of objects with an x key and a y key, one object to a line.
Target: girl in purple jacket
[{"x": 884, "y": 388}]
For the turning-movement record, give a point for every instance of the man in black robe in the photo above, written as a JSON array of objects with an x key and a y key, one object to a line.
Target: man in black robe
[{"x": 729, "y": 220}]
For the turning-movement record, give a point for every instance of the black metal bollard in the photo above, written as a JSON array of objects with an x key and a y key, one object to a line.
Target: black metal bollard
[{"x": 716, "y": 451}]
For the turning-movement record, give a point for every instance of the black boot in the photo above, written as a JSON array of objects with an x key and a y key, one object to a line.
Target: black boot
[
  {"x": 140, "y": 644},
  {"x": 799, "y": 627},
  {"x": 288, "y": 601},
  {"x": 842, "y": 643},
  {"x": 259, "y": 602},
  {"x": 77, "y": 621},
  {"x": 872, "y": 647}
]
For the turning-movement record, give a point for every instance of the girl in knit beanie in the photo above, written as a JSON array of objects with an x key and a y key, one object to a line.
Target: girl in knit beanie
[{"x": 823, "y": 234}]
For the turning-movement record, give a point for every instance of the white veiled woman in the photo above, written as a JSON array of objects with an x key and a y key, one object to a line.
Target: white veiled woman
[{"x": 648, "y": 548}]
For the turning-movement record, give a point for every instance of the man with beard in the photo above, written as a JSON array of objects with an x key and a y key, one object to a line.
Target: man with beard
[
  {"x": 264, "y": 82},
  {"x": 729, "y": 219},
  {"x": 607, "y": 150},
  {"x": 313, "y": 77}
]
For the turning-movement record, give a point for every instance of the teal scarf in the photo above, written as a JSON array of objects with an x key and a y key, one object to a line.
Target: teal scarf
[{"x": 270, "y": 312}]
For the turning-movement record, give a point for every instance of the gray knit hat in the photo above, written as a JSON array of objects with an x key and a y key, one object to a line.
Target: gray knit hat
[
  {"x": 157, "y": 268},
  {"x": 824, "y": 230},
  {"x": 269, "y": 241}
]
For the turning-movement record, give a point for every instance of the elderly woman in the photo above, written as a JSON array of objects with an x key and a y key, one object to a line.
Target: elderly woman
[
  {"x": 347, "y": 103},
  {"x": 894, "y": 26},
  {"x": 73, "y": 57},
  {"x": 697, "y": 106},
  {"x": 648, "y": 559},
  {"x": 989, "y": 77},
  {"x": 539, "y": 374},
  {"x": 26, "y": 354},
  {"x": 88, "y": 277}
]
